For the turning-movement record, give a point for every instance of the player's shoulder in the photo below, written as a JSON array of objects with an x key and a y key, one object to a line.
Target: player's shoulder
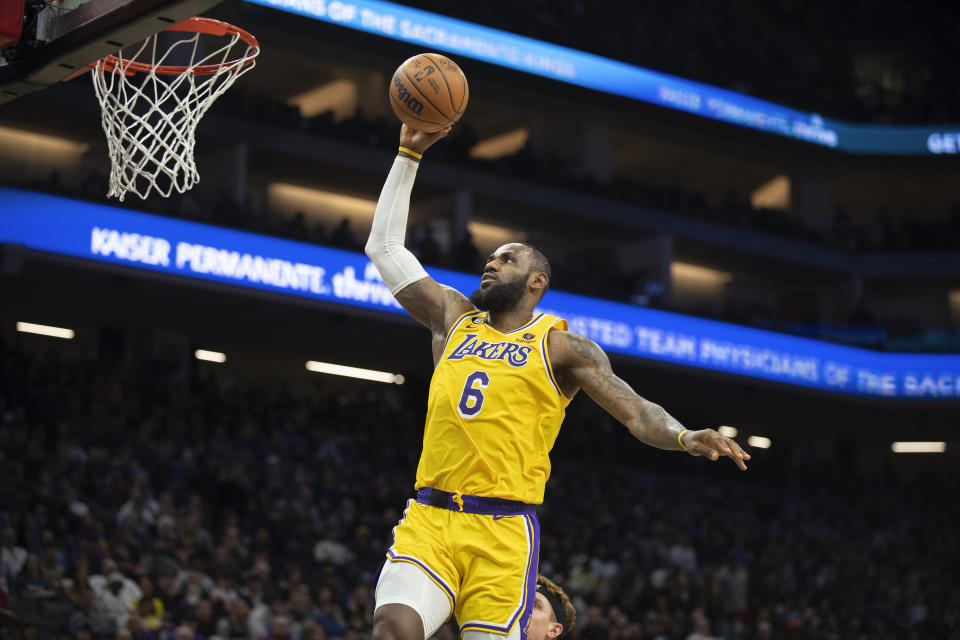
[
  {"x": 572, "y": 349},
  {"x": 454, "y": 307},
  {"x": 456, "y": 299}
]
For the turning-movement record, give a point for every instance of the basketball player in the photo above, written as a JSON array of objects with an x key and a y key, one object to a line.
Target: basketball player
[
  {"x": 468, "y": 543},
  {"x": 553, "y": 615}
]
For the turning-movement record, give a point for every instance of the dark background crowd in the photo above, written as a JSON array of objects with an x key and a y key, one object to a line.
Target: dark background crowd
[{"x": 144, "y": 502}]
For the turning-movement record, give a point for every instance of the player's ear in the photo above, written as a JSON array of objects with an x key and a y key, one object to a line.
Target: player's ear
[
  {"x": 554, "y": 630},
  {"x": 537, "y": 280}
]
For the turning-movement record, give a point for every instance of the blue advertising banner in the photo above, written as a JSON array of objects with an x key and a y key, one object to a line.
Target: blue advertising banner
[
  {"x": 460, "y": 38},
  {"x": 118, "y": 236}
]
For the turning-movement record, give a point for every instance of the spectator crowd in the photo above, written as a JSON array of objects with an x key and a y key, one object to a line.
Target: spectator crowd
[{"x": 142, "y": 502}]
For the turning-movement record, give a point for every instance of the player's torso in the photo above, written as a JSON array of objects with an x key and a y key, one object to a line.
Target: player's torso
[{"x": 494, "y": 411}]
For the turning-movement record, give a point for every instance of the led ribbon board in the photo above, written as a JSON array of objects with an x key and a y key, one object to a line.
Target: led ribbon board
[
  {"x": 433, "y": 31},
  {"x": 107, "y": 234}
]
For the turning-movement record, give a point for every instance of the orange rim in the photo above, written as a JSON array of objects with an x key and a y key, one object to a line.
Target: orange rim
[{"x": 208, "y": 26}]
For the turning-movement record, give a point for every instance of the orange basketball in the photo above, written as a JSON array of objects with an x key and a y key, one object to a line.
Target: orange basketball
[{"x": 429, "y": 92}]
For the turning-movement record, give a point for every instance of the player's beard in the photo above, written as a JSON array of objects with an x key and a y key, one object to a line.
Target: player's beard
[{"x": 500, "y": 296}]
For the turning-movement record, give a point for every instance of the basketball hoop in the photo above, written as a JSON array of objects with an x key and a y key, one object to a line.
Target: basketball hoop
[{"x": 151, "y": 120}]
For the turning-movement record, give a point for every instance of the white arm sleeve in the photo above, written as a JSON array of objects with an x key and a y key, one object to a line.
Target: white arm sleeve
[{"x": 398, "y": 267}]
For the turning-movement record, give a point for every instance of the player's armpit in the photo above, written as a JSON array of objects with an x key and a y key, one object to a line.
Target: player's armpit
[
  {"x": 432, "y": 304},
  {"x": 580, "y": 361}
]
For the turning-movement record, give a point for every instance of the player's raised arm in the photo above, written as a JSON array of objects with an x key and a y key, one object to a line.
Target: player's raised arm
[
  {"x": 430, "y": 303},
  {"x": 580, "y": 363}
]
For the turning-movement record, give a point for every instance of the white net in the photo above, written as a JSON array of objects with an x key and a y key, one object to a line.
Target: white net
[{"x": 150, "y": 111}]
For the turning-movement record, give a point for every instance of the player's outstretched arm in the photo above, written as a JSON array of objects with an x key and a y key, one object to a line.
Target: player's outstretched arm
[
  {"x": 430, "y": 303},
  {"x": 580, "y": 363}
]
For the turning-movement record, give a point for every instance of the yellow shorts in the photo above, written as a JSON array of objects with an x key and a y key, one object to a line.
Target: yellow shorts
[{"x": 487, "y": 565}]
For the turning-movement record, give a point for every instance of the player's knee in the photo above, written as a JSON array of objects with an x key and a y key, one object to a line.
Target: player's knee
[{"x": 396, "y": 622}]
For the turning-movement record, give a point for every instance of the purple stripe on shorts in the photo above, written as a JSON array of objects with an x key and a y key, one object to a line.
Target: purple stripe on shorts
[
  {"x": 529, "y": 587},
  {"x": 532, "y": 570}
]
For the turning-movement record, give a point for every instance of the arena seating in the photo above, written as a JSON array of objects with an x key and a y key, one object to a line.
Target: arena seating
[{"x": 238, "y": 511}]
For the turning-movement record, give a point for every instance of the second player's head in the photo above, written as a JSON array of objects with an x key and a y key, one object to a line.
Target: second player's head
[
  {"x": 515, "y": 274},
  {"x": 553, "y": 614}
]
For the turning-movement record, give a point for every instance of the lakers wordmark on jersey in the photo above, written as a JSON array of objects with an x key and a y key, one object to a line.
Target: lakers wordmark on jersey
[{"x": 494, "y": 411}]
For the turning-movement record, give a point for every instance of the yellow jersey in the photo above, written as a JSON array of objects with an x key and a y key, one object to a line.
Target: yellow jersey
[{"x": 493, "y": 412}]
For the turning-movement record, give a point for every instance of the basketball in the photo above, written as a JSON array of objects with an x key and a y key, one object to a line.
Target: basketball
[{"x": 429, "y": 92}]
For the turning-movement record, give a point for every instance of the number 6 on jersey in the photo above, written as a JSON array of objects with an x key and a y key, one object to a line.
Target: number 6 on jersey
[{"x": 471, "y": 400}]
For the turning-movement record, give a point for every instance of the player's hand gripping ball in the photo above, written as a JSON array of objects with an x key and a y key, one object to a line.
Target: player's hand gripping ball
[{"x": 429, "y": 92}]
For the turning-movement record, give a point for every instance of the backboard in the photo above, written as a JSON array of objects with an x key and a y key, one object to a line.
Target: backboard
[{"x": 58, "y": 39}]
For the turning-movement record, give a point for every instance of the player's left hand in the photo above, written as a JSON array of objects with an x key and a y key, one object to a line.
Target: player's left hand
[
  {"x": 712, "y": 445},
  {"x": 418, "y": 140}
]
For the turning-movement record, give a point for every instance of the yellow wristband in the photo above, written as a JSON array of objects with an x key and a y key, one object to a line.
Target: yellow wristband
[
  {"x": 680, "y": 439},
  {"x": 411, "y": 152}
]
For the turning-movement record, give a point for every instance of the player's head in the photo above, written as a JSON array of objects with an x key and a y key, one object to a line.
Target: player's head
[
  {"x": 553, "y": 614},
  {"x": 514, "y": 273}
]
